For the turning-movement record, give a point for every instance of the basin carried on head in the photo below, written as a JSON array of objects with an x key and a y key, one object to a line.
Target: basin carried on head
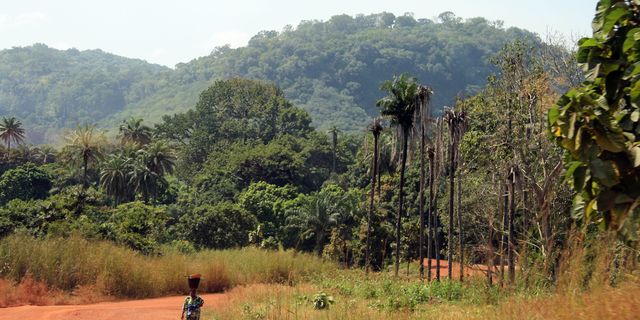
[{"x": 194, "y": 280}]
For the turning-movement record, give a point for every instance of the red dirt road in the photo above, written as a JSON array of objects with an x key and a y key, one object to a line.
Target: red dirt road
[
  {"x": 151, "y": 309},
  {"x": 476, "y": 270}
]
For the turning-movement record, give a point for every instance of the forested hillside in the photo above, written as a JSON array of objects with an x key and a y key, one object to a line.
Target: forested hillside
[
  {"x": 51, "y": 89},
  {"x": 327, "y": 68}
]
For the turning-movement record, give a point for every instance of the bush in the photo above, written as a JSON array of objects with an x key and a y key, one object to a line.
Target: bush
[
  {"x": 221, "y": 226},
  {"x": 139, "y": 226},
  {"x": 24, "y": 182}
]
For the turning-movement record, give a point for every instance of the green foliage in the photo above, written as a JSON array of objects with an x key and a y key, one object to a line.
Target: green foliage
[
  {"x": 72, "y": 209},
  {"x": 133, "y": 131},
  {"x": 597, "y": 123},
  {"x": 24, "y": 182},
  {"x": 269, "y": 204},
  {"x": 51, "y": 89},
  {"x": 84, "y": 146},
  {"x": 220, "y": 226},
  {"x": 138, "y": 226},
  {"x": 135, "y": 168},
  {"x": 231, "y": 112},
  {"x": 401, "y": 101},
  {"x": 325, "y": 67}
]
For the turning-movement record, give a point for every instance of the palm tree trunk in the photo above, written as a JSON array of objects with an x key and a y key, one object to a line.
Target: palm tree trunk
[
  {"x": 460, "y": 231},
  {"x": 85, "y": 164},
  {"x": 430, "y": 216},
  {"x": 452, "y": 174},
  {"x": 436, "y": 230},
  {"x": 378, "y": 172},
  {"x": 405, "y": 136},
  {"x": 319, "y": 239},
  {"x": 374, "y": 170},
  {"x": 421, "y": 240}
]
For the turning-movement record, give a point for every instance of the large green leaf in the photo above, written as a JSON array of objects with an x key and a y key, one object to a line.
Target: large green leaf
[
  {"x": 605, "y": 172},
  {"x": 612, "y": 18},
  {"x": 609, "y": 141}
]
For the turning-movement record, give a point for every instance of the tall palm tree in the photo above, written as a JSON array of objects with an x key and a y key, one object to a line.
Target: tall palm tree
[
  {"x": 114, "y": 176},
  {"x": 400, "y": 106},
  {"x": 133, "y": 130},
  {"x": 424, "y": 97},
  {"x": 456, "y": 122},
  {"x": 11, "y": 129},
  {"x": 160, "y": 158},
  {"x": 142, "y": 179},
  {"x": 376, "y": 129},
  {"x": 84, "y": 146}
]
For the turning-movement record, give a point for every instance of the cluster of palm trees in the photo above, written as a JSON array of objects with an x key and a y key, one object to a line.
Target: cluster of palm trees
[
  {"x": 407, "y": 107},
  {"x": 136, "y": 166}
]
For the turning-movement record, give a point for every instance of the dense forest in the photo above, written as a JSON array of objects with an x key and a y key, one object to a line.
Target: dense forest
[
  {"x": 531, "y": 179},
  {"x": 326, "y": 68}
]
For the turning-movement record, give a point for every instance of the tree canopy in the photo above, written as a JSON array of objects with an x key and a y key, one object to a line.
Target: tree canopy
[{"x": 325, "y": 67}]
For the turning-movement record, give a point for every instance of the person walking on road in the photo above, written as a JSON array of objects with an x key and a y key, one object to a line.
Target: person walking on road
[{"x": 192, "y": 303}]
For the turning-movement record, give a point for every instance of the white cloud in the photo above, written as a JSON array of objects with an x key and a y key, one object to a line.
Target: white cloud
[{"x": 233, "y": 38}]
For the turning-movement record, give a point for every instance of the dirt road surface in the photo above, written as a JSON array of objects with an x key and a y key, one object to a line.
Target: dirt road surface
[{"x": 151, "y": 309}]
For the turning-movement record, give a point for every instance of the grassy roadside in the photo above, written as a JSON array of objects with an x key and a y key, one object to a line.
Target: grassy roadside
[
  {"x": 269, "y": 301},
  {"x": 285, "y": 285},
  {"x": 75, "y": 264}
]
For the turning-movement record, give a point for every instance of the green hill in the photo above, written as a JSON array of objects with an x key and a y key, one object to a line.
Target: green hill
[{"x": 330, "y": 68}]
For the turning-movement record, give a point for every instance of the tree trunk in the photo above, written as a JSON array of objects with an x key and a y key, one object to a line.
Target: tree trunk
[
  {"x": 452, "y": 173},
  {"x": 490, "y": 253},
  {"x": 430, "y": 219},
  {"x": 512, "y": 210},
  {"x": 436, "y": 230},
  {"x": 378, "y": 173},
  {"x": 460, "y": 231},
  {"x": 319, "y": 240},
  {"x": 374, "y": 170},
  {"x": 421, "y": 206},
  {"x": 503, "y": 236},
  {"x": 405, "y": 135},
  {"x": 85, "y": 163}
]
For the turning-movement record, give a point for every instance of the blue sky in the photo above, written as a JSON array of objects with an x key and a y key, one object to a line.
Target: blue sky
[{"x": 167, "y": 32}]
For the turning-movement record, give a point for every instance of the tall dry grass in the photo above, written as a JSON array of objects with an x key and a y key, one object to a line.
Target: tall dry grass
[
  {"x": 597, "y": 279},
  {"x": 74, "y": 263}
]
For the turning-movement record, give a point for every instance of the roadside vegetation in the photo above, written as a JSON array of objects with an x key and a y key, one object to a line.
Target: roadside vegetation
[{"x": 535, "y": 190}]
